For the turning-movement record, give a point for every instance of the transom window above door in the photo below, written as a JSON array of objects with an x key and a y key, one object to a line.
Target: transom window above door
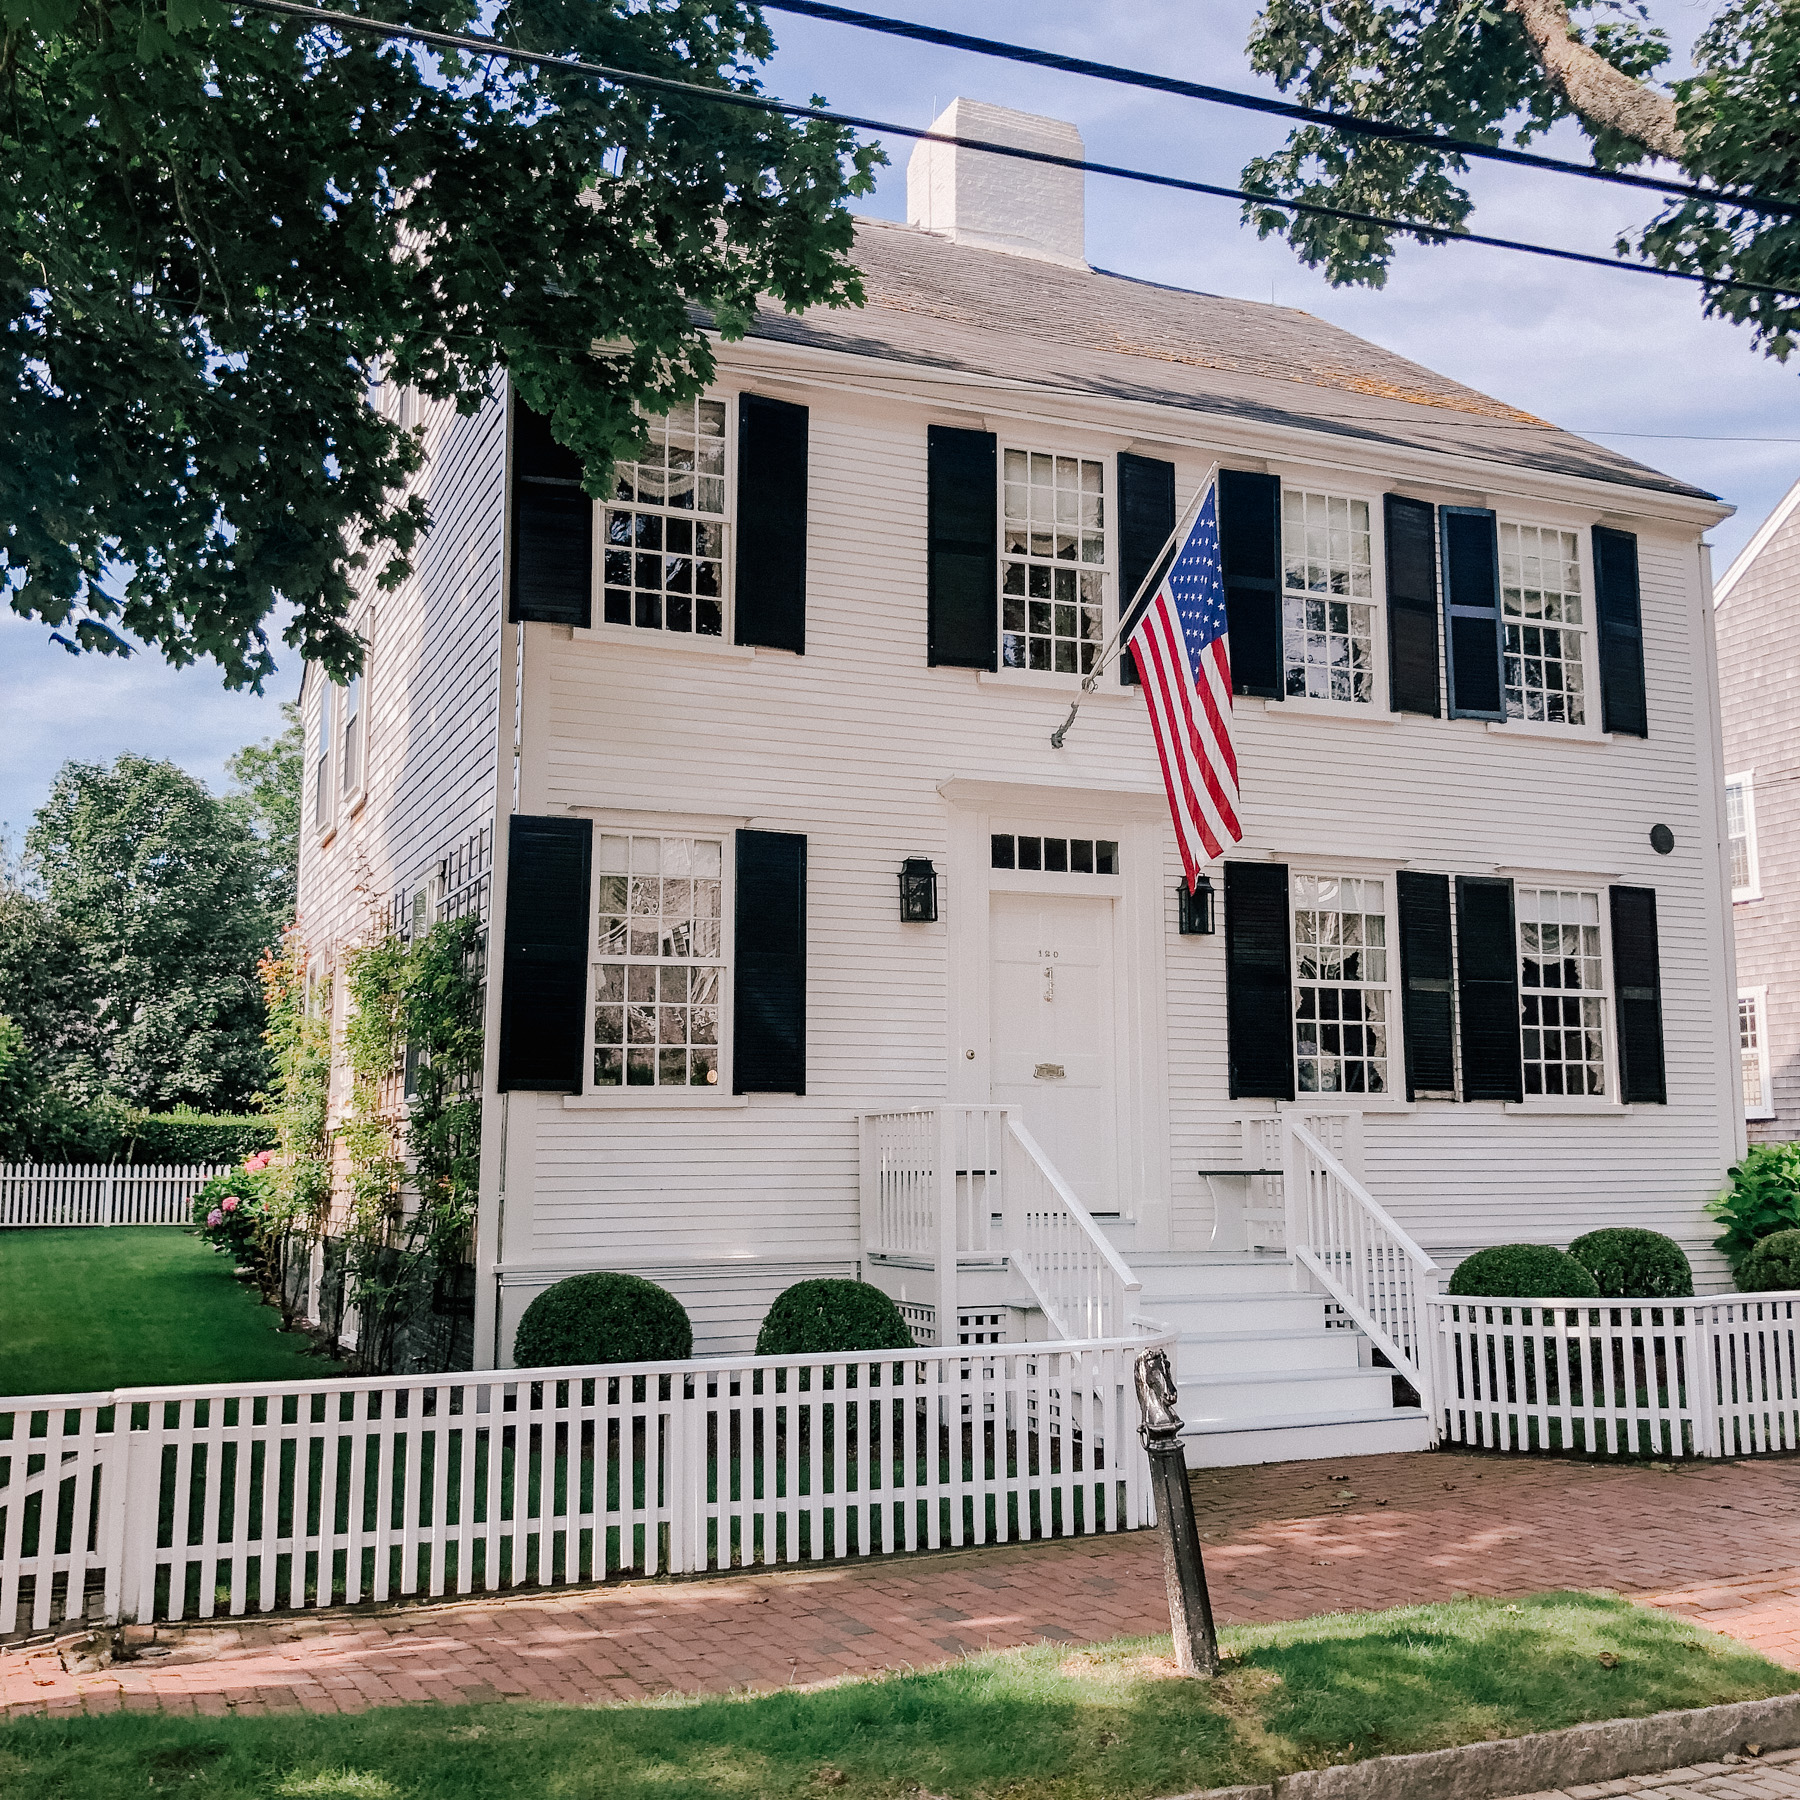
[
  {"x": 1541, "y": 613},
  {"x": 1327, "y": 598},
  {"x": 1341, "y": 991},
  {"x": 1055, "y": 855},
  {"x": 664, "y": 556},
  {"x": 659, "y": 962},
  {"x": 1053, "y": 562}
]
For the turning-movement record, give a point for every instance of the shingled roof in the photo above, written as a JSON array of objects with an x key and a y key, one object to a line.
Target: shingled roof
[{"x": 938, "y": 304}]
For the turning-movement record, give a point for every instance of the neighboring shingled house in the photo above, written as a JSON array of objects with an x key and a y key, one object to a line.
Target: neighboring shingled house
[
  {"x": 785, "y": 867},
  {"x": 1758, "y": 624}
]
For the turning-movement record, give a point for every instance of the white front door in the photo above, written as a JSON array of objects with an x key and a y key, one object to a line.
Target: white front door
[{"x": 1051, "y": 1013}]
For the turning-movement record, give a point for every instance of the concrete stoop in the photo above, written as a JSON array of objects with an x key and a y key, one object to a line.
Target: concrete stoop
[{"x": 1665, "y": 1748}]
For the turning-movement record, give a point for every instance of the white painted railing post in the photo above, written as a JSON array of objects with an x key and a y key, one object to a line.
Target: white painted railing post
[
  {"x": 946, "y": 1225},
  {"x": 111, "y": 1193},
  {"x": 1293, "y": 1180}
]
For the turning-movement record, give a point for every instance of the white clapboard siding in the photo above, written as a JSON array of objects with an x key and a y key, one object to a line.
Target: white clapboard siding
[
  {"x": 195, "y": 1502},
  {"x": 102, "y": 1193}
]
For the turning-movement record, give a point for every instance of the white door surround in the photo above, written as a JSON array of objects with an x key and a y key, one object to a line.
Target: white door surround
[{"x": 1136, "y": 905}]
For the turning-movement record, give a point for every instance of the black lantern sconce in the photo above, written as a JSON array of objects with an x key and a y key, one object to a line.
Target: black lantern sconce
[
  {"x": 1195, "y": 910},
  {"x": 918, "y": 891}
]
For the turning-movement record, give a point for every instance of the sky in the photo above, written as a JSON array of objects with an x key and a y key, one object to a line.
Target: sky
[{"x": 1619, "y": 357}]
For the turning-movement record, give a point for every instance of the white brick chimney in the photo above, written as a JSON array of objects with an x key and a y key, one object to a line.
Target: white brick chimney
[{"x": 999, "y": 202}]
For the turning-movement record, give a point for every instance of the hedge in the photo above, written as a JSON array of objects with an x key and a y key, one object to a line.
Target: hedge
[
  {"x": 1627, "y": 1262},
  {"x": 1523, "y": 1272},
  {"x": 602, "y": 1318},
  {"x": 1773, "y": 1267},
  {"x": 105, "y": 1134},
  {"x": 826, "y": 1317}
]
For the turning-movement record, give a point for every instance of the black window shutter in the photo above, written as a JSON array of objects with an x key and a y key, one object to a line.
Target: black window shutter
[
  {"x": 543, "y": 997},
  {"x": 1146, "y": 518},
  {"x": 552, "y": 527},
  {"x": 1259, "y": 1000},
  {"x": 1412, "y": 596},
  {"x": 1637, "y": 995},
  {"x": 1622, "y": 704},
  {"x": 769, "y": 989},
  {"x": 963, "y": 596},
  {"x": 1487, "y": 989},
  {"x": 1472, "y": 612},
  {"x": 1250, "y": 565},
  {"x": 1426, "y": 973},
  {"x": 771, "y": 528}
]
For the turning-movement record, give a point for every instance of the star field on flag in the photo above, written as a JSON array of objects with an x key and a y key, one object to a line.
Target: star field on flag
[{"x": 1183, "y": 656}]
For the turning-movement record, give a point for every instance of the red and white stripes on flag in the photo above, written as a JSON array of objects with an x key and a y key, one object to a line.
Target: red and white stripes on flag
[{"x": 1183, "y": 656}]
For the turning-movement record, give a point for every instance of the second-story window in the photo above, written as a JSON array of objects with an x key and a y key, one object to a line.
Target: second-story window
[
  {"x": 350, "y": 756},
  {"x": 664, "y": 567},
  {"x": 1328, "y": 597},
  {"x": 1541, "y": 613},
  {"x": 1053, "y": 562},
  {"x": 322, "y": 755},
  {"x": 1740, "y": 834}
]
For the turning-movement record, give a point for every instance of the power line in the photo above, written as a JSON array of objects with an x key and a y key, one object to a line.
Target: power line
[
  {"x": 1347, "y": 123},
  {"x": 631, "y": 78}
]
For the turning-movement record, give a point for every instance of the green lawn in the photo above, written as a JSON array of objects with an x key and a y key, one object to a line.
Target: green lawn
[
  {"x": 1103, "y": 1722},
  {"x": 99, "y": 1307}
]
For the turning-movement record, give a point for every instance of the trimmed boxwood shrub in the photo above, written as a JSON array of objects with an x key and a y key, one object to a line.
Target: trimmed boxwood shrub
[
  {"x": 1629, "y": 1263},
  {"x": 1523, "y": 1272},
  {"x": 602, "y": 1318},
  {"x": 826, "y": 1317},
  {"x": 1773, "y": 1266}
]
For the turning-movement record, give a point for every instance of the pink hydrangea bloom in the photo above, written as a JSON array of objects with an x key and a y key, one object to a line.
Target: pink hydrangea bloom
[
  {"x": 215, "y": 1217},
  {"x": 230, "y": 1203}
]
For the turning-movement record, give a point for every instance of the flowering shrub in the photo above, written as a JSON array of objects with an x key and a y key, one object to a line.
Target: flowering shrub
[{"x": 229, "y": 1211}]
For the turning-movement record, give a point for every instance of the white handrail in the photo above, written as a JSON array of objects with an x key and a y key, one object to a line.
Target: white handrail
[{"x": 1360, "y": 1255}]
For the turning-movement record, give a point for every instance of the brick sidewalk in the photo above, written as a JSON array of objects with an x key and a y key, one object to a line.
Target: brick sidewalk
[
  {"x": 1772, "y": 1777},
  {"x": 1718, "y": 1542}
]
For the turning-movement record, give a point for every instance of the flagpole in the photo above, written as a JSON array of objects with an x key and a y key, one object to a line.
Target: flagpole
[{"x": 1109, "y": 651}]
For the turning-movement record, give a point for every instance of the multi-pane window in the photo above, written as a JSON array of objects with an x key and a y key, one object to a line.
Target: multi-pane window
[
  {"x": 1340, "y": 985},
  {"x": 664, "y": 556},
  {"x": 1540, "y": 603},
  {"x": 1328, "y": 597},
  {"x": 351, "y": 733},
  {"x": 1562, "y": 991},
  {"x": 1055, "y": 855},
  {"x": 1053, "y": 570},
  {"x": 1740, "y": 835},
  {"x": 322, "y": 756},
  {"x": 659, "y": 968},
  {"x": 1753, "y": 1054}
]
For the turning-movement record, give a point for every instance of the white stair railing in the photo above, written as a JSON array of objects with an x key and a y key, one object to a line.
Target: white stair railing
[{"x": 1340, "y": 1234}]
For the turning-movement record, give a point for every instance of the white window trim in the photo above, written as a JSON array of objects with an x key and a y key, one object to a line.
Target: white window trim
[
  {"x": 684, "y": 643},
  {"x": 1589, "y": 730},
  {"x": 1379, "y": 709},
  {"x": 650, "y": 1099},
  {"x": 350, "y": 801},
  {"x": 1747, "y": 780},
  {"x": 1759, "y": 998},
  {"x": 1609, "y": 1102},
  {"x": 323, "y": 760},
  {"x": 1355, "y": 869},
  {"x": 1107, "y": 458}
]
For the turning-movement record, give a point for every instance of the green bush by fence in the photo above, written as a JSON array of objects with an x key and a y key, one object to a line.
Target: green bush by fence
[{"x": 105, "y": 1134}]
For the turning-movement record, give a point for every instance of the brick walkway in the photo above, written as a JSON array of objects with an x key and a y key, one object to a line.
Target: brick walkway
[
  {"x": 1771, "y": 1777},
  {"x": 1718, "y": 1542}
]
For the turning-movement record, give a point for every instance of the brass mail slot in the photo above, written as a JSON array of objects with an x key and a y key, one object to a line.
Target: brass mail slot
[{"x": 1049, "y": 1072}]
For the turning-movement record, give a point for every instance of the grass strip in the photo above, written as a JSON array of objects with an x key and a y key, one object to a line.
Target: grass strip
[
  {"x": 89, "y": 1307},
  {"x": 1053, "y": 1722}
]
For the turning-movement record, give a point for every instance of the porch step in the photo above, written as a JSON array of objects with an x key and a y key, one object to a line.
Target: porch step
[
  {"x": 1214, "y": 1276},
  {"x": 1278, "y": 1392},
  {"x": 1305, "y": 1437},
  {"x": 1282, "y": 1310},
  {"x": 1199, "y": 1354}
]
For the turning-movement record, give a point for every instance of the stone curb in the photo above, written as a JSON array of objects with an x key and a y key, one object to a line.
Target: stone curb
[{"x": 1545, "y": 1761}]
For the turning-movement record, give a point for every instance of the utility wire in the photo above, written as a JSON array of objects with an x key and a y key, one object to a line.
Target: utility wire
[
  {"x": 1347, "y": 123},
  {"x": 632, "y": 78}
]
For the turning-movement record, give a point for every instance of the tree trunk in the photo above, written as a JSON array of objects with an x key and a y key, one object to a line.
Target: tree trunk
[{"x": 1596, "y": 90}]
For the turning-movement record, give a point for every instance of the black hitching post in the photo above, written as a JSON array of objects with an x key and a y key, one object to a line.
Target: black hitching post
[{"x": 1184, "y": 1574}]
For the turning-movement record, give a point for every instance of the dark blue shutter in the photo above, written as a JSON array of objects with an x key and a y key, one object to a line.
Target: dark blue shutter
[
  {"x": 1259, "y": 999},
  {"x": 1426, "y": 974},
  {"x": 769, "y": 986},
  {"x": 771, "y": 524},
  {"x": 1250, "y": 563},
  {"x": 1146, "y": 518},
  {"x": 552, "y": 527},
  {"x": 1412, "y": 597},
  {"x": 1487, "y": 989},
  {"x": 1472, "y": 612},
  {"x": 1637, "y": 995},
  {"x": 963, "y": 596},
  {"x": 543, "y": 996},
  {"x": 1622, "y": 704}
]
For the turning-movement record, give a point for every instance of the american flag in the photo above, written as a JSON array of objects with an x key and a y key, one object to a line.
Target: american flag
[{"x": 1184, "y": 665}]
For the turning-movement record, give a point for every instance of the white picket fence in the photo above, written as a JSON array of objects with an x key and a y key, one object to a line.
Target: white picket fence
[
  {"x": 102, "y": 1193},
  {"x": 1714, "y": 1376},
  {"x": 190, "y": 1502}
]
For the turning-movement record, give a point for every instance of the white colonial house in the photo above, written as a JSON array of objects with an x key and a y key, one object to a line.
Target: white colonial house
[{"x": 812, "y": 955}]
